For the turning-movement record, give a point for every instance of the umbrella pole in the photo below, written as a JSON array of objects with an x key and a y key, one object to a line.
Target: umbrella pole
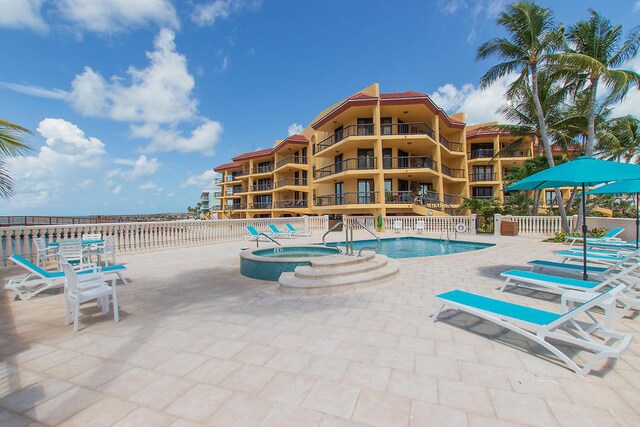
[
  {"x": 584, "y": 233},
  {"x": 637, "y": 221}
]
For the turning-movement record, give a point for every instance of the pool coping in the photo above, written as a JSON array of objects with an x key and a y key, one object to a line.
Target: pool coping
[{"x": 248, "y": 254}]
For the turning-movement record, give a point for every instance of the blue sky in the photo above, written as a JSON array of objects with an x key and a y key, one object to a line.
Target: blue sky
[{"x": 130, "y": 108}]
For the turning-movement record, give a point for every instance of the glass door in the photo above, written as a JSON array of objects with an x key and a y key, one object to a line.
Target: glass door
[{"x": 365, "y": 192}]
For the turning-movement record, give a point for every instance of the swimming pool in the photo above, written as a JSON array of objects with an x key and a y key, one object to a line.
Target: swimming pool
[
  {"x": 413, "y": 247},
  {"x": 270, "y": 263}
]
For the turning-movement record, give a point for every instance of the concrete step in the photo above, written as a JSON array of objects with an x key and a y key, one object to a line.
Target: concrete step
[
  {"x": 342, "y": 269},
  {"x": 333, "y": 260},
  {"x": 290, "y": 283}
]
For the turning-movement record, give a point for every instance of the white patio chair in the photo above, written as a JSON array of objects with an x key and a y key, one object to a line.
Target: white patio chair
[
  {"x": 107, "y": 250},
  {"x": 44, "y": 252},
  {"x": 397, "y": 225},
  {"x": 419, "y": 226},
  {"x": 93, "y": 287},
  {"x": 70, "y": 250},
  {"x": 95, "y": 247}
]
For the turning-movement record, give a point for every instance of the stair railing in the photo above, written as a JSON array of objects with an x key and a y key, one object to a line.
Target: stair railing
[
  {"x": 372, "y": 248},
  {"x": 262, "y": 234}
]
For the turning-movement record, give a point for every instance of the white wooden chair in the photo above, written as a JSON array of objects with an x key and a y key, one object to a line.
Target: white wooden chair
[
  {"x": 44, "y": 252},
  {"x": 107, "y": 250},
  {"x": 92, "y": 287}
]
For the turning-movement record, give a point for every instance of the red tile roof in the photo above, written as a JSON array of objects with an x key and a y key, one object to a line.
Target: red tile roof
[
  {"x": 361, "y": 95},
  {"x": 259, "y": 153},
  {"x": 296, "y": 137},
  {"x": 405, "y": 94},
  {"x": 226, "y": 166}
]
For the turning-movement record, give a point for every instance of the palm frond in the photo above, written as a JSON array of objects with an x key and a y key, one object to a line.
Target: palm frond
[
  {"x": 11, "y": 139},
  {"x": 6, "y": 182}
]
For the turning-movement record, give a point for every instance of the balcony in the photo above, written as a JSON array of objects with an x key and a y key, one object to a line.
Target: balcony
[
  {"x": 411, "y": 162},
  {"x": 351, "y": 130},
  {"x": 218, "y": 181},
  {"x": 359, "y": 163},
  {"x": 296, "y": 160},
  {"x": 262, "y": 187},
  {"x": 483, "y": 176},
  {"x": 261, "y": 205},
  {"x": 216, "y": 207},
  {"x": 519, "y": 153},
  {"x": 236, "y": 190},
  {"x": 412, "y": 128},
  {"x": 408, "y": 197},
  {"x": 453, "y": 173},
  {"x": 217, "y": 194},
  {"x": 481, "y": 153},
  {"x": 452, "y": 199},
  {"x": 262, "y": 169},
  {"x": 290, "y": 204},
  {"x": 451, "y": 146},
  {"x": 357, "y": 198},
  {"x": 235, "y": 207},
  {"x": 290, "y": 181}
]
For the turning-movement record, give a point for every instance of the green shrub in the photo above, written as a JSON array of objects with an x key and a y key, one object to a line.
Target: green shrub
[{"x": 597, "y": 232}]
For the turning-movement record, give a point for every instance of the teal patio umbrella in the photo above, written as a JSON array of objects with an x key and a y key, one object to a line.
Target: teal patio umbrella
[
  {"x": 583, "y": 171},
  {"x": 622, "y": 187}
]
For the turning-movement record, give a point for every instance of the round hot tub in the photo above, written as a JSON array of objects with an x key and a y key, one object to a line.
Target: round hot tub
[{"x": 270, "y": 263}]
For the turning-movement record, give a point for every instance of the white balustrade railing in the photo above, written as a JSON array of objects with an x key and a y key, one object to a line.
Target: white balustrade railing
[
  {"x": 433, "y": 224},
  {"x": 540, "y": 225},
  {"x": 145, "y": 236}
]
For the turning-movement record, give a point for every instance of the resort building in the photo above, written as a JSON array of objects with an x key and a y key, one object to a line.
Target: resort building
[{"x": 372, "y": 154}]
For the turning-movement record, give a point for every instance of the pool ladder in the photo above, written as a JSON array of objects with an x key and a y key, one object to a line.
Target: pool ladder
[
  {"x": 262, "y": 234},
  {"x": 348, "y": 231},
  {"x": 445, "y": 231}
]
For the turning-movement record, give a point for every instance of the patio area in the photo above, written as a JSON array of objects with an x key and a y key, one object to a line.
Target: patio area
[{"x": 199, "y": 344}]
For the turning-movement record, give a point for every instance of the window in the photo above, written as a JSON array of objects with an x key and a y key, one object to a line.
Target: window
[
  {"x": 403, "y": 159},
  {"x": 482, "y": 193},
  {"x": 550, "y": 198},
  {"x": 365, "y": 126},
  {"x": 339, "y": 193},
  {"x": 366, "y": 160},
  {"x": 386, "y": 127},
  {"x": 338, "y": 163},
  {"x": 338, "y": 133},
  {"x": 365, "y": 191},
  {"x": 387, "y": 161},
  {"x": 482, "y": 173}
]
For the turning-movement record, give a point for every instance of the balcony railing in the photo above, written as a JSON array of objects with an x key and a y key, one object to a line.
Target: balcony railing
[
  {"x": 357, "y": 163},
  {"x": 452, "y": 199},
  {"x": 236, "y": 190},
  {"x": 298, "y": 160},
  {"x": 482, "y": 197},
  {"x": 235, "y": 206},
  {"x": 413, "y": 128},
  {"x": 217, "y": 194},
  {"x": 453, "y": 173},
  {"x": 399, "y": 197},
  {"x": 483, "y": 176},
  {"x": 357, "y": 198},
  {"x": 481, "y": 153},
  {"x": 452, "y": 146},
  {"x": 262, "y": 187},
  {"x": 216, "y": 207},
  {"x": 218, "y": 181},
  {"x": 523, "y": 152},
  {"x": 261, "y": 205},
  {"x": 262, "y": 169},
  {"x": 292, "y": 204},
  {"x": 290, "y": 181},
  {"x": 351, "y": 130},
  {"x": 413, "y": 162}
]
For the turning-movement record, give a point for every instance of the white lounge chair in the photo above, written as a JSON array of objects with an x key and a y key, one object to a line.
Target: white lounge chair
[
  {"x": 599, "y": 273},
  {"x": 92, "y": 288},
  {"x": 599, "y": 258},
  {"x": 301, "y": 233},
  {"x": 255, "y": 235},
  {"x": 278, "y": 233},
  {"x": 44, "y": 252},
  {"x": 39, "y": 280},
  {"x": 609, "y": 237},
  {"x": 545, "y": 327}
]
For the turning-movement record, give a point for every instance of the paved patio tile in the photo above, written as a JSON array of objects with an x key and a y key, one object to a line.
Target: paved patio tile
[
  {"x": 181, "y": 364},
  {"x": 145, "y": 417},
  {"x": 104, "y": 412},
  {"x": 33, "y": 395},
  {"x": 522, "y": 409},
  {"x": 382, "y": 409},
  {"x": 367, "y": 376},
  {"x": 11, "y": 419},
  {"x": 414, "y": 386},
  {"x": 471, "y": 398},
  {"x": 325, "y": 367},
  {"x": 429, "y": 414},
  {"x": 199, "y": 402},
  {"x": 287, "y": 388},
  {"x": 332, "y": 398},
  {"x": 291, "y": 416},
  {"x": 241, "y": 410},
  {"x": 213, "y": 371},
  {"x": 63, "y": 406},
  {"x": 161, "y": 392},
  {"x": 249, "y": 379}
]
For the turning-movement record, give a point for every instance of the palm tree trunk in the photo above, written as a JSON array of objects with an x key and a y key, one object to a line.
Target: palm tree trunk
[
  {"x": 536, "y": 202},
  {"x": 545, "y": 141},
  {"x": 591, "y": 134}
]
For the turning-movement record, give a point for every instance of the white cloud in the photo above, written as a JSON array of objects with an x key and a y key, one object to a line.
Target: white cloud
[
  {"x": 631, "y": 103},
  {"x": 451, "y": 6},
  {"x": 38, "y": 91},
  {"x": 637, "y": 6},
  {"x": 203, "y": 139},
  {"x": 207, "y": 13},
  {"x": 159, "y": 93},
  {"x": 480, "y": 105},
  {"x": 477, "y": 12},
  {"x": 22, "y": 14},
  {"x": 141, "y": 167},
  {"x": 205, "y": 179},
  {"x": 86, "y": 184},
  {"x": 117, "y": 189},
  {"x": 67, "y": 157},
  {"x": 149, "y": 185},
  {"x": 225, "y": 63},
  {"x": 108, "y": 16},
  {"x": 295, "y": 128}
]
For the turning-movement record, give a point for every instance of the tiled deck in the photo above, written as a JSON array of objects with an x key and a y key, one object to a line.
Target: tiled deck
[{"x": 200, "y": 344}]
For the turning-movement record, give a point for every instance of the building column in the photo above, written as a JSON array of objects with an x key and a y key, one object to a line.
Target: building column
[
  {"x": 377, "y": 152},
  {"x": 436, "y": 130}
]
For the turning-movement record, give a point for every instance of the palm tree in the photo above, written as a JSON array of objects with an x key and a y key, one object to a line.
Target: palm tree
[
  {"x": 619, "y": 139},
  {"x": 593, "y": 58},
  {"x": 11, "y": 145},
  {"x": 533, "y": 36}
]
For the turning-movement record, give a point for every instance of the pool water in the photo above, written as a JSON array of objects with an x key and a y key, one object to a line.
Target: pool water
[
  {"x": 413, "y": 247},
  {"x": 295, "y": 252}
]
